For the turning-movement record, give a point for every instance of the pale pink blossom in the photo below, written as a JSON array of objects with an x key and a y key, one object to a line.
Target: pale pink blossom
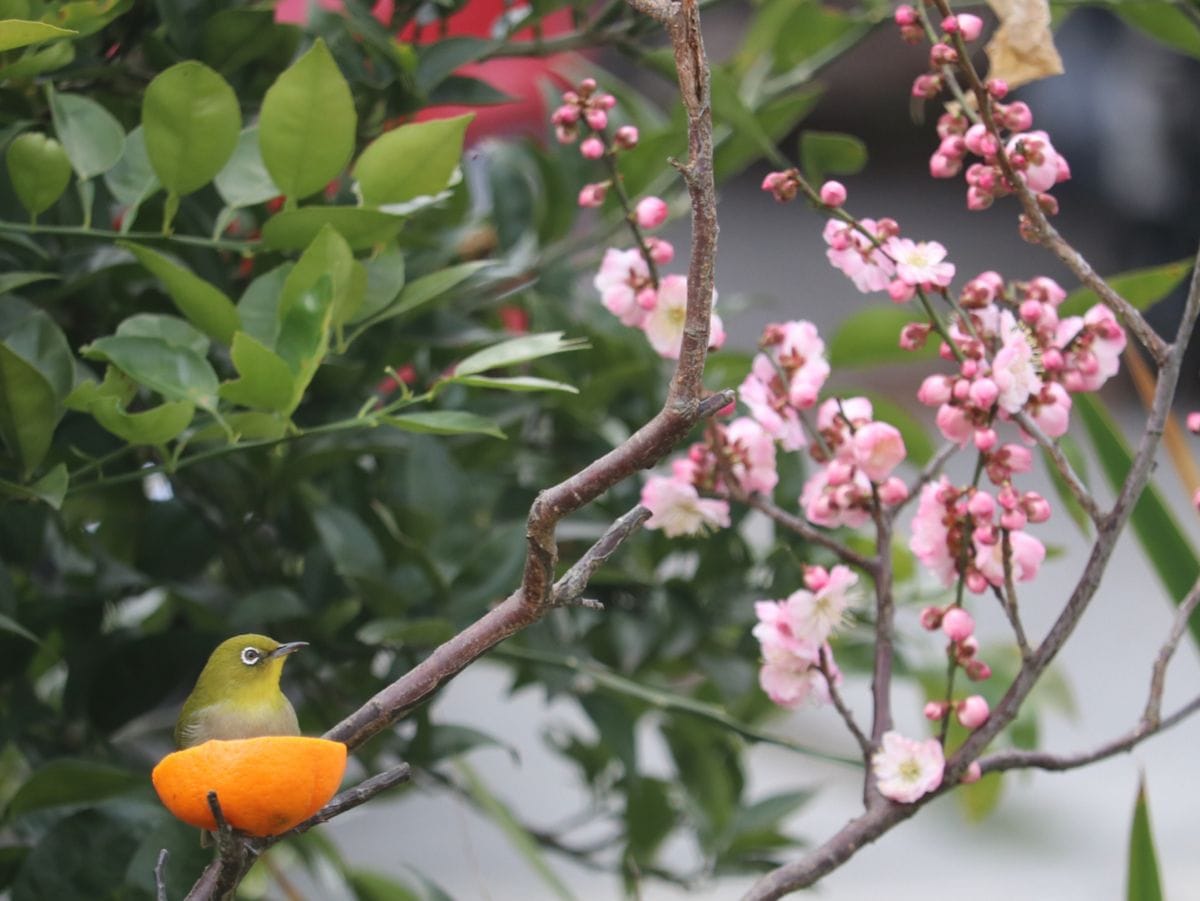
[
  {"x": 663, "y": 325},
  {"x": 789, "y": 682},
  {"x": 833, "y": 193},
  {"x": 854, "y": 254},
  {"x": 1044, "y": 166},
  {"x": 833, "y": 502},
  {"x": 814, "y": 615},
  {"x": 623, "y": 275},
  {"x": 778, "y": 419},
  {"x": 677, "y": 508},
  {"x": 591, "y": 148},
  {"x": 1052, "y": 410},
  {"x": 972, "y": 711},
  {"x": 752, "y": 455},
  {"x": 969, "y": 26},
  {"x": 973, "y": 773},
  {"x": 1014, "y": 370},
  {"x": 906, "y": 769},
  {"x": 1193, "y": 422},
  {"x": 920, "y": 263},
  {"x": 798, "y": 349},
  {"x": 776, "y": 635},
  {"x": 878, "y": 449},
  {"x": 1027, "y": 555},
  {"x": 930, "y": 533}
]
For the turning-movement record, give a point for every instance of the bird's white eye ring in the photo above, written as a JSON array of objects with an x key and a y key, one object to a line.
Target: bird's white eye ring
[{"x": 250, "y": 656}]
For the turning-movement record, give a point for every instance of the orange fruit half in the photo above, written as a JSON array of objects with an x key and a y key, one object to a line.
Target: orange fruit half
[{"x": 265, "y": 785}]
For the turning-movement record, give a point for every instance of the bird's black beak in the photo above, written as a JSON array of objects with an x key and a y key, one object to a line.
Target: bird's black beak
[{"x": 288, "y": 648}]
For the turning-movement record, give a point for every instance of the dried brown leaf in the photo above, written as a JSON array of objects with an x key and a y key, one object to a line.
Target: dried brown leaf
[{"x": 1022, "y": 49}]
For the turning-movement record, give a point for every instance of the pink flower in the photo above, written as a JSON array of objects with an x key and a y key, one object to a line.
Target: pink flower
[
  {"x": 789, "y": 682},
  {"x": 591, "y": 148},
  {"x": 1014, "y": 370},
  {"x": 1027, "y": 555},
  {"x": 778, "y": 419},
  {"x": 973, "y": 773},
  {"x": 1044, "y": 167},
  {"x": 663, "y": 325},
  {"x": 833, "y": 502},
  {"x": 833, "y": 193},
  {"x": 677, "y": 508},
  {"x": 972, "y": 711},
  {"x": 854, "y": 254},
  {"x": 815, "y": 615},
  {"x": 930, "y": 533},
  {"x": 958, "y": 624},
  {"x": 1193, "y": 422},
  {"x": 623, "y": 274},
  {"x": 776, "y": 635},
  {"x": 592, "y": 196},
  {"x": 651, "y": 212},
  {"x": 969, "y": 26},
  {"x": 906, "y": 769},
  {"x": 878, "y": 449},
  {"x": 1052, "y": 410},
  {"x": 752, "y": 455},
  {"x": 920, "y": 264}
]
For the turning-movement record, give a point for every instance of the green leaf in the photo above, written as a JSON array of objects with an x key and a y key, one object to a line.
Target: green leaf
[
  {"x": 42, "y": 343},
  {"x": 35, "y": 376},
  {"x": 446, "y": 422},
  {"x": 191, "y": 120},
  {"x": 425, "y": 289},
  {"x": 350, "y": 544},
  {"x": 362, "y": 228},
  {"x": 69, "y": 781},
  {"x": 307, "y": 124},
  {"x": 385, "y": 279},
  {"x": 871, "y": 337},
  {"x": 176, "y": 373},
  {"x": 1143, "y": 883},
  {"x": 258, "y": 307},
  {"x": 266, "y": 380},
  {"x": 328, "y": 256},
  {"x": 205, "y": 305},
  {"x": 171, "y": 329},
  {"x": 439, "y": 60},
  {"x": 91, "y": 136},
  {"x": 8, "y": 624},
  {"x": 82, "y": 856},
  {"x": 1141, "y": 287},
  {"x": 16, "y": 33},
  {"x": 516, "y": 383},
  {"x": 823, "y": 153},
  {"x": 50, "y": 489},
  {"x": 1165, "y": 22},
  {"x": 729, "y": 109},
  {"x": 36, "y": 62},
  {"x": 1163, "y": 542},
  {"x": 12, "y": 281},
  {"x": 517, "y": 350},
  {"x": 39, "y": 169},
  {"x": 411, "y": 161},
  {"x": 245, "y": 181},
  {"x": 304, "y": 335},
  {"x": 132, "y": 179},
  {"x": 517, "y": 834},
  {"x": 980, "y": 798},
  {"x": 370, "y": 886},
  {"x": 154, "y": 427},
  {"x": 649, "y": 817},
  {"x": 422, "y": 632},
  {"x": 89, "y": 16}
]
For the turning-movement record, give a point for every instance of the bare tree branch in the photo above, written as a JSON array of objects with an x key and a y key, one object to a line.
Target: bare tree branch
[
  {"x": 1079, "y": 491},
  {"x": 803, "y": 528},
  {"x": 1158, "y": 676},
  {"x": 826, "y": 670}
]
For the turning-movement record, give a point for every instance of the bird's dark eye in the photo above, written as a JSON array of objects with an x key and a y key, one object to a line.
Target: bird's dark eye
[{"x": 251, "y": 656}]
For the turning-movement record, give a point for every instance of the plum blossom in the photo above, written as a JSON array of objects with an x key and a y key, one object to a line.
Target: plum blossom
[
  {"x": 906, "y": 769},
  {"x": 1027, "y": 555},
  {"x": 751, "y": 454},
  {"x": 815, "y": 615},
  {"x": 920, "y": 263},
  {"x": 1014, "y": 369},
  {"x": 784, "y": 378},
  {"x": 1043, "y": 166},
  {"x": 664, "y": 322},
  {"x": 930, "y": 542},
  {"x": 788, "y": 681},
  {"x": 677, "y": 508},
  {"x": 857, "y": 256},
  {"x": 878, "y": 449},
  {"x": 624, "y": 285}
]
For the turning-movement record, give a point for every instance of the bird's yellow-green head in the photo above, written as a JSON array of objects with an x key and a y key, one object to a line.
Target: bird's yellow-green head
[{"x": 237, "y": 694}]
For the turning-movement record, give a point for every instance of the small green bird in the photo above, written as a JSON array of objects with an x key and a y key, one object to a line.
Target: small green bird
[{"x": 237, "y": 694}]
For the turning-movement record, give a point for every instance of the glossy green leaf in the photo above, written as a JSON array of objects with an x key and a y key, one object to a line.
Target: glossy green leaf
[
  {"x": 14, "y": 281},
  {"x": 427, "y": 288},
  {"x": 205, "y": 305},
  {"x": 1163, "y": 542},
  {"x": 50, "y": 489},
  {"x": 871, "y": 337},
  {"x": 132, "y": 179},
  {"x": 1143, "y": 882},
  {"x": 258, "y": 307},
  {"x": 70, "y": 781},
  {"x": 439, "y": 60},
  {"x": 157, "y": 425},
  {"x": 191, "y": 121},
  {"x": 385, "y": 279},
  {"x": 1141, "y": 287},
  {"x": 38, "y": 339},
  {"x": 91, "y": 136},
  {"x": 171, "y": 329},
  {"x": 304, "y": 335},
  {"x": 266, "y": 381},
  {"x": 116, "y": 384},
  {"x": 81, "y": 856},
  {"x": 362, "y": 228},
  {"x": 233, "y": 38},
  {"x": 307, "y": 124},
  {"x": 446, "y": 422},
  {"x": 515, "y": 383},
  {"x": 411, "y": 161},
  {"x": 89, "y": 16},
  {"x": 16, "y": 33},
  {"x": 825, "y": 153},
  {"x": 370, "y": 886},
  {"x": 731, "y": 111},
  {"x": 349, "y": 543},
  {"x": 176, "y": 373},
  {"x": 37, "y": 62},
  {"x": 244, "y": 181},
  {"x": 517, "y": 350},
  {"x": 328, "y": 255},
  {"x": 1165, "y": 22},
  {"x": 39, "y": 169}
]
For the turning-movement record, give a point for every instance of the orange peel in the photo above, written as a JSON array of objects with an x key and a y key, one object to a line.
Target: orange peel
[{"x": 265, "y": 785}]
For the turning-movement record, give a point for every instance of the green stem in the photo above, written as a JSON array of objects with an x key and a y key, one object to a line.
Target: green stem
[{"x": 73, "y": 231}]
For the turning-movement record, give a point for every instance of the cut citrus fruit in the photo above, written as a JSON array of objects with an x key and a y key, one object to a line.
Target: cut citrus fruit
[{"x": 265, "y": 785}]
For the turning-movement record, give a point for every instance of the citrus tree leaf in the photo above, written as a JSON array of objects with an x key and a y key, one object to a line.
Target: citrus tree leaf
[
  {"x": 517, "y": 350},
  {"x": 205, "y": 305},
  {"x": 266, "y": 382},
  {"x": 132, "y": 179},
  {"x": 177, "y": 373},
  {"x": 154, "y": 426},
  {"x": 362, "y": 228},
  {"x": 411, "y": 161},
  {"x": 91, "y": 136},
  {"x": 244, "y": 181},
  {"x": 446, "y": 422},
  {"x": 39, "y": 169},
  {"x": 16, "y": 33}
]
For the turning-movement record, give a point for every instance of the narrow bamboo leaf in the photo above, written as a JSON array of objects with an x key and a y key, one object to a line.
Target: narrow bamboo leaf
[
  {"x": 307, "y": 123},
  {"x": 1164, "y": 22},
  {"x": 39, "y": 169},
  {"x": 92, "y": 137},
  {"x": 150, "y": 427},
  {"x": 517, "y": 350},
  {"x": 204, "y": 304},
  {"x": 871, "y": 337},
  {"x": 411, "y": 161},
  {"x": 362, "y": 228},
  {"x": 446, "y": 422},
  {"x": 1143, "y": 883},
  {"x": 517, "y": 834},
  {"x": 1071, "y": 450},
  {"x": 1163, "y": 541},
  {"x": 1141, "y": 287},
  {"x": 516, "y": 383},
  {"x": 266, "y": 381},
  {"x": 176, "y": 373},
  {"x": 191, "y": 120},
  {"x": 16, "y": 33},
  {"x": 824, "y": 153},
  {"x": 244, "y": 181}
]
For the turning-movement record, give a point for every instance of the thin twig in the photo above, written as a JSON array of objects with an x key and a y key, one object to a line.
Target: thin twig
[
  {"x": 1066, "y": 471},
  {"x": 1158, "y": 675},
  {"x": 931, "y": 471},
  {"x": 802, "y": 528},
  {"x": 885, "y": 616},
  {"x": 359, "y": 794},
  {"x": 823, "y": 665},
  {"x": 1008, "y": 598},
  {"x": 160, "y": 875}
]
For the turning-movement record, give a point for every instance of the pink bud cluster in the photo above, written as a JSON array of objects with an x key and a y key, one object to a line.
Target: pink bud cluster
[
  {"x": 584, "y": 104},
  {"x": 785, "y": 378},
  {"x": 959, "y": 628},
  {"x": 794, "y": 633}
]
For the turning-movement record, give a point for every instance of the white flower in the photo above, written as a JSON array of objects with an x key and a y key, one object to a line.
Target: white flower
[
  {"x": 677, "y": 508},
  {"x": 905, "y": 769}
]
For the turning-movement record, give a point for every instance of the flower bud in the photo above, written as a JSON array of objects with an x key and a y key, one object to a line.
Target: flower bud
[
  {"x": 958, "y": 624},
  {"x": 972, "y": 711},
  {"x": 651, "y": 212},
  {"x": 833, "y": 193},
  {"x": 592, "y": 148}
]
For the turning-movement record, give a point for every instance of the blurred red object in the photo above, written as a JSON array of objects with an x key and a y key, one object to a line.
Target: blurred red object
[{"x": 519, "y": 77}]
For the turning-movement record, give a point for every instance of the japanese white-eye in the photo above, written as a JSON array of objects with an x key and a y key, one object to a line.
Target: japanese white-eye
[{"x": 238, "y": 694}]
